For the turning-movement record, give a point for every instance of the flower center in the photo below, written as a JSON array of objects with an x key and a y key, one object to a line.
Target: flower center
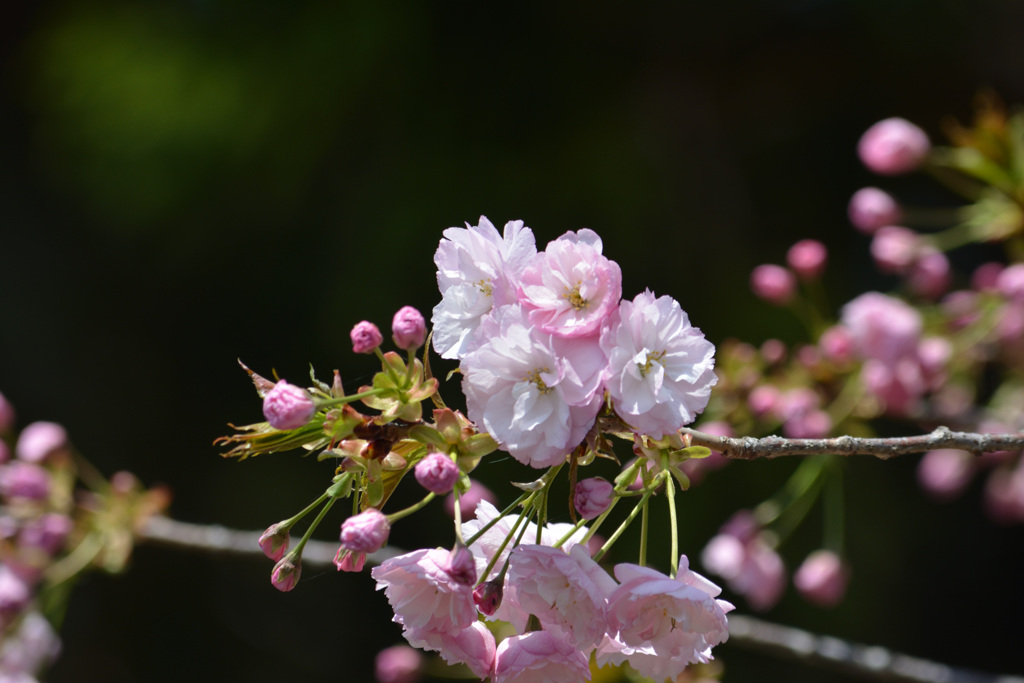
[
  {"x": 575, "y": 299},
  {"x": 535, "y": 377},
  {"x": 485, "y": 287},
  {"x": 648, "y": 357}
]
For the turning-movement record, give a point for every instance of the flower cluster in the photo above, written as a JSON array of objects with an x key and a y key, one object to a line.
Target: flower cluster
[
  {"x": 563, "y": 606},
  {"x": 49, "y": 532},
  {"x": 543, "y": 336}
]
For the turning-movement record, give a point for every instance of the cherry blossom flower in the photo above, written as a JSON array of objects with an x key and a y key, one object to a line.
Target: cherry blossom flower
[
  {"x": 740, "y": 556},
  {"x": 539, "y": 657},
  {"x": 570, "y": 288},
  {"x": 536, "y": 397},
  {"x": 398, "y": 664},
  {"x": 39, "y": 440},
  {"x": 473, "y": 646},
  {"x": 477, "y": 269},
  {"x": 773, "y": 283},
  {"x": 426, "y": 600},
  {"x": 567, "y": 592},
  {"x": 661, "y": 369},
  {"x": 678, "y": 618}
]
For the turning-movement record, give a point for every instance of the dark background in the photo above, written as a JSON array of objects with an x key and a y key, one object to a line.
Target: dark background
[{"x": 187, "y": 183}]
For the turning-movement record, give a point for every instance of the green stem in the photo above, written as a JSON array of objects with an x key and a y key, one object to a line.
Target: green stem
[
  {"x": 670, "y": 491},
  {"x": 395, "y": 516},
  {"x": 77, "y": 560},
  {"x": 622, "y": 527},
  {"x": 644, "y": 527},
  {"x": 297, "y": 551},
  {"x": 290, "y": 522},
  {"x": 347, "y": 399}
]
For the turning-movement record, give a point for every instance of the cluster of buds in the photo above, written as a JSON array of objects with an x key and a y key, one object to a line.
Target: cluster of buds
[{"x": 50, "y": 532}]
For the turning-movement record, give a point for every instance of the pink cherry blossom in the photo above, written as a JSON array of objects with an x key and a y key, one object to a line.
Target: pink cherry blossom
[
  {"x": 473, "y": 646},
  {"x": 424, "y": 597},
  {"x": 537, "y": 397},
  {"x": 570, "y": 289},
  {"x": 895, "y": 248},
  {"x": 567, "y": 592},
  {"x": 678, "y": 618},
  {"x": 539, "y": 657},
  {"x": 882, "y": 327},
  {"x": 929, "y": 275},
  {"x": 477, "y": 269},
  {"x": 661, "y": 369}
]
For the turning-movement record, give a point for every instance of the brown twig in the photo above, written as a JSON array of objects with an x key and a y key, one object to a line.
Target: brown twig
[{"x": 749, "y": 448}]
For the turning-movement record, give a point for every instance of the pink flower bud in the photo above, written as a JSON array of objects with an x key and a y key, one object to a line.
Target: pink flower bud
[
  {"x": 871, "y": 209},
  {"x": 287, "y": 406},
  {"x": 822, "y": 578},
  {"x": 47, "y": 532},
  {"x": 944, "y": 473},
  {"x": 15, "y": 593},
  {"x": 929, "y": 275},
  {"x": 773, "y": 351},
  {"x": 365, "y": 337},
  {"x": 436, "y": 473},
  {"x": 487, "y": 596},
  {"x": 286, "y": 573},
  {"x": 398, "y": 664},
  {"x": 774, "y": 284},
  {"x": 39, "y": 440},
  {"x": 366, "y": 532},
  {"x": 815, "y": 424},
  {"x": 6, "y": 415},
  {"x": 807, "y": 259},
  {"x": 894, "y": 248},
  {"x": 763, "y": 400},
  {"x": 592, "y": 497},
  {"x": 893, "y": 146},
  {"x": 274, "y": 541},
  {"x": 408, "y": 329},
  {"x": 461, "y": 566},
  {"x": 347, "y": 561},
  {"x": 469, "y": 500},
  {"x": 836, "y": 344},
  {"x": 985, "y": 277},
  {"x": 24, "y": 480},
  {"x": 1004, "y": 495},
  {"x": 1010, "y": 282}
]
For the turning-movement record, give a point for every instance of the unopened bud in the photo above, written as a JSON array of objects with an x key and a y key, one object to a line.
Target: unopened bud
[
  {"x": 365, "y": 337},
  {"x": 592, "y": 497},
  {"x": 774, "y": 284},
  {"x": 274, "y": 541},
  {"x": 822, "y": 578},
  {"x": 871, "y": 208},
  {"x": 287, "y": 406},
  {"x": 408, "y": 329},
  {"x": 348, "y": 561},
  {"x": 24, "y": 480},
  {"x": 398, "y": 664},
  {"x": 286, "y": 572},
  {"x": 6, "y": 415},
  {"x": 437, "y": 473},
  {"x": 40, "y": 439},
  {"x": 366, "y": 532},
  {"x": 461, "y": 566},
  {"x": 807, "y": 259},
  {"x": 893, "y": 146},
  {"x": 487, "y": 596}
]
